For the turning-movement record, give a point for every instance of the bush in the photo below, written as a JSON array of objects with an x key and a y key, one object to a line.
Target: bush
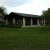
[
  {"x": 1, "y": 25},
  {"x": 11, "y": 26}
]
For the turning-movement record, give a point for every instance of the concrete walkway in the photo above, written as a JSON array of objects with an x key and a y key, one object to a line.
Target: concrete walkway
[{"x": 33, "y": 26}]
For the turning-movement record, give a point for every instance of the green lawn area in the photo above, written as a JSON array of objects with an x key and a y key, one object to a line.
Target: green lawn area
[{"x": 36, "y": 38}]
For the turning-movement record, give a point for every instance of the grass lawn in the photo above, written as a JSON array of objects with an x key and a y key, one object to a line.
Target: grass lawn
[{"x": 36, "y": 38}]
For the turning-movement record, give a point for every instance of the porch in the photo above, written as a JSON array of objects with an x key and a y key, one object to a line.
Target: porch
[{"x": 26, "y": 21}]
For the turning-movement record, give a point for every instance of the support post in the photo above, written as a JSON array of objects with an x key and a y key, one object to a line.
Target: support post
[
  {"x": 23, "y": 21},
  {"x": 31, "y": 22},
  {"x": 44, "y": 21},
  {"x": 38, "y": 22},
  {"x": 13, "y": 20},
  {"x": 7, "y": 21}
]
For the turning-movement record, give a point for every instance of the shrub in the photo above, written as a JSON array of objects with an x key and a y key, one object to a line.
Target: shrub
[{"x": 11, "y": 26}]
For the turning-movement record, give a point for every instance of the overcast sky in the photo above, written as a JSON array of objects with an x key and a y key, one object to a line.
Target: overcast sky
[{"x": 26, "y": 6}]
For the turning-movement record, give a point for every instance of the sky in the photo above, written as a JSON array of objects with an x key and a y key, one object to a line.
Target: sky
[{"x": 26, "y": 6}]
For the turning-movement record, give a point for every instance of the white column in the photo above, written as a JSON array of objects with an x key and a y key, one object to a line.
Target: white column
[
  {"x": 44, "y": 21},
  {"x": 31, "y": 22},
  {"x": 7, "y": 21},
  {"x": 38, "y": 22},
  {"x": 23, "y": 21},
  {"x": 13, "y": 20}
]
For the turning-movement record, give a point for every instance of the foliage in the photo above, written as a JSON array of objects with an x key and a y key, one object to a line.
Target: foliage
[
  {"x": 46, "y": 15},
  {"x": 10, "y": 26},
  {"x": 2, "y": 13}
]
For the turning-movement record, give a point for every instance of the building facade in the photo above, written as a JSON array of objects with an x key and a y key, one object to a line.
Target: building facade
[{"x": 24, "y": 20}]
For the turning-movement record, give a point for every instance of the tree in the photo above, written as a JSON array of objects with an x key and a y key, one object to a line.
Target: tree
[
  {"x": 46, "y": 15},
  {"x": 2, "y": 13}
]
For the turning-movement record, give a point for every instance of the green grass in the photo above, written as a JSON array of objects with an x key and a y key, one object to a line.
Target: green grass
[{"x": 36, "y": 38}]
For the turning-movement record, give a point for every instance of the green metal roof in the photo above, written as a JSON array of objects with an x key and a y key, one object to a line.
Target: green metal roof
[{"x": 26, "y": 15}]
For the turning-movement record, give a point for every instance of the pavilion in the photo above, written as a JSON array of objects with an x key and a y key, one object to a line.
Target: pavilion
[{"x": 25, "y": 19}]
